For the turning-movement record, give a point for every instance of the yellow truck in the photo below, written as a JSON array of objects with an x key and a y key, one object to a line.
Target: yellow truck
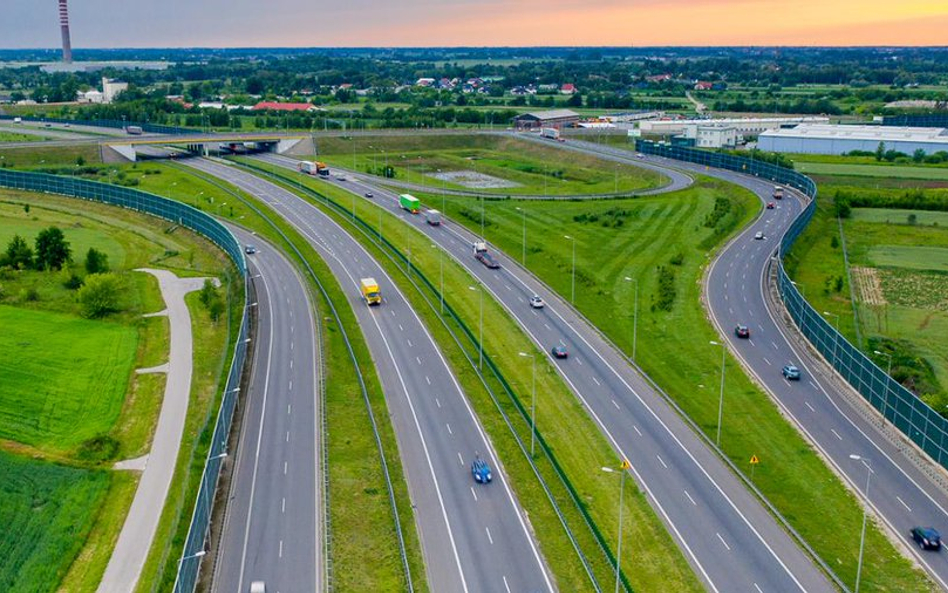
[{"x": 370, "y": 291}]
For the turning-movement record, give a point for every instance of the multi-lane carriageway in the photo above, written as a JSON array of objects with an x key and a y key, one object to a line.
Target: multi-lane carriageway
[
  {"x": 473, "y": 539},
  {"x": 733, "y": 543}
]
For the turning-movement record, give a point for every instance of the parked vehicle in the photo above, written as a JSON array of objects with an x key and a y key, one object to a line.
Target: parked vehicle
[
  {"x": 481, "y": 471},
  {"x": 791, "y": 373},
  {"x": 409, "y": 202},
  {"x": 742, "y": 331},
  {"x": 370, "y": 291},
  {"x": 536, "y": 302},
  {"x": 560, "y": 352},
  {"x": 433, "y": 217},
  {"x": 926, "y": 538}
]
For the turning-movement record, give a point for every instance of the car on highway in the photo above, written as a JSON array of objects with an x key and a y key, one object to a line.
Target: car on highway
[
  {"x": 639, "y": 155},
  {"x": 758, "y": 235},
  {"x": 258, "y": 587},
  {"x": 487, "y": 259},
  {"x": 742, "y": 331},
  {"x": 560, "y": 352},
  {"x": 481, "y": 471},
  {"x": 791, "y": 373},
  {"x": 340, "y": 177},
  {"x": 771, "y": 205},
  {"x": 369, "y": 194},
  {"x": 926, "y": 538},
  {"x": 250, "y": 249},
  {"x": 536, "y": 302}
]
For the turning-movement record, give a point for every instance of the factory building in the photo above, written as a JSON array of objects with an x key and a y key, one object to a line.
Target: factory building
[
  {"x": 111, "y": 89},
  {"x": 554, "y": 118},
  {"x": 838, "y": 139},
  {"x": 743, "y": 126}
]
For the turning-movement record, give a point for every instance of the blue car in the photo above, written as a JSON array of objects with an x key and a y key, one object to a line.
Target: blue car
[
  {"x": 481, "y": 471},
  {"x": 926, "y": 538},
  {"x": 791, "y": 372}
]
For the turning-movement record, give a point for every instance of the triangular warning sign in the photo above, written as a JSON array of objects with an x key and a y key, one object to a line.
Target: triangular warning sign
[
  {"x": 754, "y": 460},
  {"x": 626, "y": 464}
]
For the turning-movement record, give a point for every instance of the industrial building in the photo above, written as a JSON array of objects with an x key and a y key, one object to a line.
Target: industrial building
[
  {"x": 111, "y": 89},
  {"x": 749, "y": 126},
  {"x": 712, "y": 136},
  {"x": 839, "y": 139},
  {"x": 555, "y": 118}
]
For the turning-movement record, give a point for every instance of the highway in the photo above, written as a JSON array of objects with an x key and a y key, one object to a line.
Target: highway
[
  {"x": 728, "y": 537},
  {"x": 474, "y": 537},
  {"x": 903, "y": 493},
  {"x": 273, "y": 529}
]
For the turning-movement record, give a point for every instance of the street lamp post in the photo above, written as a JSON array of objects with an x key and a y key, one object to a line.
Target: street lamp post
[
  {"x": 622, "y": 471},
  {"x": 635, "y": 314},
  {"x": 480, "y": 338},
  {"x": 572, "y": 293},
  {"x": 441, "y": 265},
  {"x": 888, "y": 381},
  {"x": 865, "y": 515},
  {"x": 721, "y": 397},
  {"x": 523, "y": 249},
  {"x": 533, "y": 404},
  {"x": 483, "y": 215},
  {"x": 836, "y": 337}
]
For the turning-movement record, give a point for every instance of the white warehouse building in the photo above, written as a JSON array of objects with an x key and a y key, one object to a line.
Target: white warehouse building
[
  {"x": 838, "y": 139},
  {"x": 743, "y": 126}
]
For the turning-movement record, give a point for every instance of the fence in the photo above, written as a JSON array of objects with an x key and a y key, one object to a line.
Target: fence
[
  {"x": 931, "y": 120},
  {"x": 104, "y": 123},
  {"x": 200, "y": 222},
  {"x": 491, "y": 375},
  {"x": 913, "y": 417}
]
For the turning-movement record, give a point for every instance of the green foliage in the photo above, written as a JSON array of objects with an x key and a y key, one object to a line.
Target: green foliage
[
  {"x": 99, "y": 296},
  {"x": 912, "y": 219},
  {"x": 73, "y": 281},
  {"x": 834, "y": 242},
  {"x": 96, "y": 262},
  {"x": 98, "y": 449},
  {"x": 665, "y": 297},
  {"x": 880, "y": 151},
  {"x": 212, "y": 300},
  {"x": 909, "y": 367},
  {"x": 18, "y": 255},
  {"x": 914, "y": 199},
  {"x": 52, "y": 249}
]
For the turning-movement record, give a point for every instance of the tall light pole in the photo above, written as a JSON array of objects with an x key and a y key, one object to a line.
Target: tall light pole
[
  {"x": 533, "y": 403},
  {"x": 888, "y": 381},
  {"x": 635, "y": 314},
  {"x": 721, "y": 397},
  {"x": 441, "y": 265},
  {"x": 523, "y": 254},
  {"x": 572, "y": 297},
  {"x": 836, "y": 337},
  {"x": 865, "y": 515},
  {"x": 623, "y": 470},
  {"x": 480, "y": 339},
  {"x": 483, "y": 215}
]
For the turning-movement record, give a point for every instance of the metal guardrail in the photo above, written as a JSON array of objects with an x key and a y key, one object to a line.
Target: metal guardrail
[
  {"x": 104, "y": 123},
  {"x": 435, "y": 298},
  {"x": 899, "y": 406},
  {"x": 194, "y": 219}
]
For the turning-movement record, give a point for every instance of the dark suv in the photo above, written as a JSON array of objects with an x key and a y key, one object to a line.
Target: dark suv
[
  {"x": 487, "y": 259},
  {"x": 926, "y": 538}
]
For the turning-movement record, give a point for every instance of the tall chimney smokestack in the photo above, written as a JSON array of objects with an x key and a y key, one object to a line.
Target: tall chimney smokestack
[{"x": 64, "y": 26}]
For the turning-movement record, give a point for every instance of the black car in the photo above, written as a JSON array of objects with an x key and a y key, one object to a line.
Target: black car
[
  {"x": 742, "y": 331},
  {"x": 560, "y": 352},
  {"x": 487, "y": 259},
  {"x": 250, "y": 249},
  {"x": 926, "y": 538}
]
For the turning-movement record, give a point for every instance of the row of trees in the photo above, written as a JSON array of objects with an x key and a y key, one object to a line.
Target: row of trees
[{"x": 51, "y": 251}]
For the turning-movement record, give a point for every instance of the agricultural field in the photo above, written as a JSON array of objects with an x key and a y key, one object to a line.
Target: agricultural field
[
  {"x": 524, "y": 168},
  {"x": 874, "y": 170},
  {"x": 15, "y": 137}
]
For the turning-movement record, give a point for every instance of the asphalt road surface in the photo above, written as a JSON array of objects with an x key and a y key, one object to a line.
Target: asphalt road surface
[
  {"x": 273, "y": 528},
  {"x": 726, "y": 534},
  {"x": 902, "y": 491},
  {"x": 474, "y": 537}
]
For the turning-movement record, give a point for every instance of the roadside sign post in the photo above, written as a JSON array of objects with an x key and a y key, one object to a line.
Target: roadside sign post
[{"x": 754, "y": 461}]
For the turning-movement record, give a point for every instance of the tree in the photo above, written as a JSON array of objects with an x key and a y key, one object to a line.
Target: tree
[
  {"x": 99, "y": 296},
  {"x": 96, "y": 261},
  {"x": 918, "y": 156},
  {"x": 880, "y": 151},
  {"x": 575, "y": 100},
  {"x": 18, "y": 254},
  {"x": 52, "y": 249}
]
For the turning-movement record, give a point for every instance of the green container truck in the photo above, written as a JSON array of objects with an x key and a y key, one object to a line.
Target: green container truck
[{"x": 409, "y": 202}]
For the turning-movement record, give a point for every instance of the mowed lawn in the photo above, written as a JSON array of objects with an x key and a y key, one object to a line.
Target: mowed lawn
[
  {"x": 64, "y": 377},
  {"x": 897, "y": 171},
  {"x": 46, "y": 511},
  {"x": 912, "y": 258}
]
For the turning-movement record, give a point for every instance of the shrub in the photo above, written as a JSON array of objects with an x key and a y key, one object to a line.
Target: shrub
[
  {"x": 99, "y": 296},
  {"x": 73, "y": 282},
  {"x": 96, "y": 261},
  {"x": 665, "y": 298},
  {"x": 98, "y": 449},
  {"x": 52, "y": 249}
]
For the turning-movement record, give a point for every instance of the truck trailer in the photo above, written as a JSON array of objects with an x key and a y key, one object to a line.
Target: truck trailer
[
  {"x": 370, "y": 291},
  {"x": 314, "y": 168},
  {"x": 551, "y": 133},
  {"x": 409, "y": 202},
  {"x": 778, "y": 192}
]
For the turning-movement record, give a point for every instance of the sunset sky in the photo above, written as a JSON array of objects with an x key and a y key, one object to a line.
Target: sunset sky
[{"x": 319, "y": 23}]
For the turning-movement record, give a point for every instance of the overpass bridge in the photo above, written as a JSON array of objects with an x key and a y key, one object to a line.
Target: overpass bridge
[{"x": 133, "y": 148}]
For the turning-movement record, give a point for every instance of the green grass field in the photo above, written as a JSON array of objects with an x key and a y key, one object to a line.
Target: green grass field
[
  {"x": 900, "y": 216},
  {"x": 46, "y": 511},
  {"x": 40, "y": 155},
  {"x": 875, "y": 170},
  {"x": 534, "y": 168},
  {"x": 65, "y": 378},
  {"x": 15, "y": 137},
  {"x": 933, "y": 259}
]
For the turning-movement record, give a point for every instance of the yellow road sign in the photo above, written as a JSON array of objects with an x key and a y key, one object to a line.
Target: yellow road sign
[
  {"x": 626, "y": 464},
  {"x": 754, "y": 460}
]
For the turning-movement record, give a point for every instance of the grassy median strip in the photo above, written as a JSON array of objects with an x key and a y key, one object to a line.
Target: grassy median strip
[
  {"x": 361, "y": 517},
  {"x": 664, "y": 243},
  {"x": 651, "y": 560}
]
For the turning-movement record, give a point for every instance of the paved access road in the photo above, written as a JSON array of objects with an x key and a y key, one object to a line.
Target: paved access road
[
  {"x": 474, "y": 538},
  {"x": 730, "y": 540},
  {"x": 901, "y": 494},
  {"x": 273, "y": 526}
]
